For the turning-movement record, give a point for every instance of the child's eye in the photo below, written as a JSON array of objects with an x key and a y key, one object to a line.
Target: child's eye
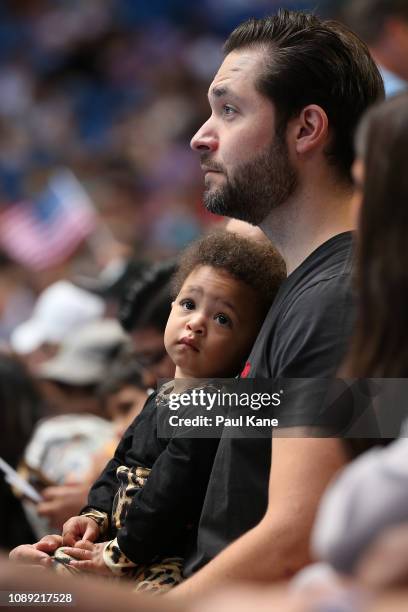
[
  {"x": 223, "y": 320},
  {"x": 187, "y": 304}
]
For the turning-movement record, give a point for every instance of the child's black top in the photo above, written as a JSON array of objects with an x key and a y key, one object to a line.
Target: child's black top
[{"x": 161, "y": 516}]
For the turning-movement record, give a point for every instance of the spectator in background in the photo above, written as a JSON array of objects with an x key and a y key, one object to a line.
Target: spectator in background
[
  {"x": 122, "y": 392},
  {"x": 123, "y": 396},
  {"x": 353, "y": 513},
  {"x": 71, "y": 377},
  {"x": 383, "y": 24},
  {"x": 58, "y": 311},
  {"x": 21, "y": 408},
  {"x": 112, "y": 283},
  {"x": 61, "y": 449},
  {"x": 143, "y": 314},
  {"x": 17, "y": 298},
  {"x": 82, "y": 446}
]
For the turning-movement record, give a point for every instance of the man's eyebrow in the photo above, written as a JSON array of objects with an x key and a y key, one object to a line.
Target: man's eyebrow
[
  {"x": 219, "y": 92},
  {"x": 222, "y": 91}
]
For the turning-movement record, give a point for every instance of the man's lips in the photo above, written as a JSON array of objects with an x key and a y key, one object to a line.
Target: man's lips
[
  {"x": 207, "y": 169},
  {"x": 188, "y": 342}
]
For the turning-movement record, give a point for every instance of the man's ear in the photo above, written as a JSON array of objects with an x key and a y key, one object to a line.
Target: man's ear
[{"x": 311, "y": 129}]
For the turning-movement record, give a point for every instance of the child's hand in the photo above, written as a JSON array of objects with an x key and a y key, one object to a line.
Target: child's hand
[
  {"x": 88, "y": 557},
  {"x": 79, "y": 528}
]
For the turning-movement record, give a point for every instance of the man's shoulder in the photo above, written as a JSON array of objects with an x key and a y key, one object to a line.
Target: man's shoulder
[
  {"x": 310, "y": 322},
  {"x": 326, "y": 269},
  {"x": 322, "y": 280},
  {"x": 318, "y": 297}
]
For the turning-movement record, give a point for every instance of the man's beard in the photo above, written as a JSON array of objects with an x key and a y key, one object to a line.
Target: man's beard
[{"x": 258, "y": 186}]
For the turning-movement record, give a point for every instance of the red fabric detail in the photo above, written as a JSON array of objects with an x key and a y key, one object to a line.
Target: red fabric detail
[{"x": 246, "y": 370}]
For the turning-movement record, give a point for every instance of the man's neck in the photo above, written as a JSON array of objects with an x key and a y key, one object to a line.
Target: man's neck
[{"x": 308, "y": 220}]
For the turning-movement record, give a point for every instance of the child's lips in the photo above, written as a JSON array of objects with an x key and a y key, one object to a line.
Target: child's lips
[{"x": 188, "y": 342}]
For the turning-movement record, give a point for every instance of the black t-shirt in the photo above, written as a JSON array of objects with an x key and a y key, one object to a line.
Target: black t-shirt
[{"x": 304, "y": 335}]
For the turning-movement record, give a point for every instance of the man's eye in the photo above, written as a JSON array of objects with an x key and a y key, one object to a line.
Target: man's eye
[
  {"x": 187, "y": 304},
  {"x": 223, "y": 320},
  {"x": 228, "y": 110}
]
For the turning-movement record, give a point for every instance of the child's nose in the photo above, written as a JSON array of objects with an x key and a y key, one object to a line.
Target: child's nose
[{"x": 196, "y": 323}]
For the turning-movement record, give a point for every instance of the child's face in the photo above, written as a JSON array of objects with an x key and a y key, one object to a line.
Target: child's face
[{"x": 212, "y": 325}]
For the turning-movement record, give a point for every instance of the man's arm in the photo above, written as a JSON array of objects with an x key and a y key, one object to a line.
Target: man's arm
[{"x": 279, "y": 545}]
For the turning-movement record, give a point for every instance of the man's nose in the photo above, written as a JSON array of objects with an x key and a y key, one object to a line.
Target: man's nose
[{"x": 205, "y": 139}]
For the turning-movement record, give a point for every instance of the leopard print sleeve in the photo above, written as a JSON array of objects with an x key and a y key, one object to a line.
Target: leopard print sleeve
[
  {"x": 100, "y": 518},
  {"x": 117, "y": 561}
]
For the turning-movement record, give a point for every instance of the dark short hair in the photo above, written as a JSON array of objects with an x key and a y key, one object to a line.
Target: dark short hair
[
  {"x": 257, "y": 264},
  {"x": 368, "y": 17},
  {"x": 310, "y": 61},
  {"x": 147, "y": 301}
]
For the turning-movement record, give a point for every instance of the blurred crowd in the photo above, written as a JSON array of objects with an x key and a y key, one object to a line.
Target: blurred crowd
[{"x": 111, "y": 90}]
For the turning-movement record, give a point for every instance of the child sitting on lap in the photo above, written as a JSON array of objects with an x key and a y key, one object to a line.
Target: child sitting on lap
[{"x": 145, "y": 505}]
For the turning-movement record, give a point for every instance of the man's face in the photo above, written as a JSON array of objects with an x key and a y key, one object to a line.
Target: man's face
[{"x": 246, "y": 164}]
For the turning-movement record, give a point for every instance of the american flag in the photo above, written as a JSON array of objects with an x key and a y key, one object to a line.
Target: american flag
[{"x": 44, "y": 232}]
